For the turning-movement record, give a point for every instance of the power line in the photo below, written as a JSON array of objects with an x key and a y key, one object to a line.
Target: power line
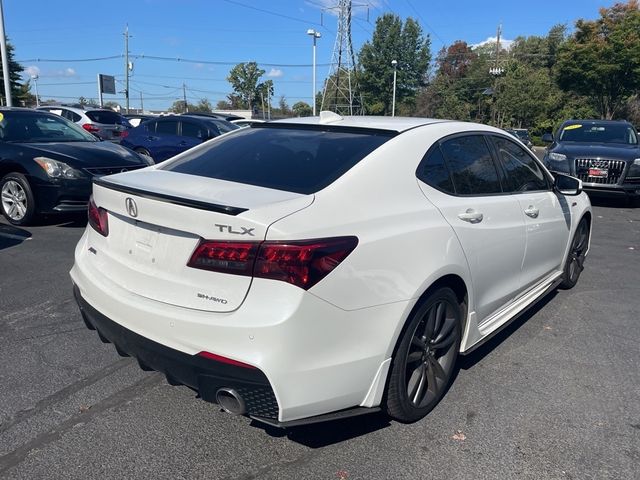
[
  {"x": 275, "y": 14},
  {"x": 425, "y": 23}
]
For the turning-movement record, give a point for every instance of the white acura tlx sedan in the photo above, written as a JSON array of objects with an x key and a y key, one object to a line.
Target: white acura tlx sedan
[{"x": 317, "y": 268}]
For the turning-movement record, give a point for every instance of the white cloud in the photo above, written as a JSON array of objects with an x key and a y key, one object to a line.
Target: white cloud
[
  {"x": 69, "y": 72},
  {"x": 32, "y": 70},
  {"x": 504, "y": 43},
  {"x": 275, "y": 73}
]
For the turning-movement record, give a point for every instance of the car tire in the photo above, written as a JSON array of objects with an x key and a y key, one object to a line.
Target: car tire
[
  {"x": 575, "y": 258},
  {"x": 425, "y": 358},
  {"x": 17, "y": 202}
]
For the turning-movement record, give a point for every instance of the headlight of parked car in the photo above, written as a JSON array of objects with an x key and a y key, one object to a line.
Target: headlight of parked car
[
  {"x": 634, "y": 169},
  {"x": 56, "y": 169},
  {"x": 557, "y": 157}
]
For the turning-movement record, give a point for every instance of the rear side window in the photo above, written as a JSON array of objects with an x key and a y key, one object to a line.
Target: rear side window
[
  {"x": 104, "y": 116},
  {"x": 69, "y": 115},
  {"x": 523, "y": 173},
  {"x": 168, "y": 127},
  {"x": 433, "y": 171},
  {"x": 472, "y": 168},
  {"x": 192, "y": 130},
  {"x": 301, "y": 160}
]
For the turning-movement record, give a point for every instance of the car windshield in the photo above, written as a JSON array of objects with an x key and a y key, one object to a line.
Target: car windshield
[
  {"x": 599, "y": 133},
  {"x": 522, "y": 134},
  {"x": 290, "y": 158},
  {"x": 36, "y": 126}
]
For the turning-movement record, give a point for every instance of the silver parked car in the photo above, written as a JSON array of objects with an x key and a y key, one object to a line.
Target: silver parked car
[{"x": 103, "y": 123}]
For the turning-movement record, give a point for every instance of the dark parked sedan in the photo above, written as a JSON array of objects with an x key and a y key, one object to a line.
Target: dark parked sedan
[
  {"x": 604, "y": 154},
  {"x": 165, "y": 137},
  {"x": 47, "y": 164}
]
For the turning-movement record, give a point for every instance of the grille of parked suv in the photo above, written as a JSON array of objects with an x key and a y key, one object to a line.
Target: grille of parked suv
[
  {"x": 614, "y": 169},
  {"x": 100, "y": 171}
]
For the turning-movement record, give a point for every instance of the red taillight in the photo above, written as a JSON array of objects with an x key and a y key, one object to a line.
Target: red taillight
[
  {"x": 98, "y": 218},
  {"x": 90, "y": 128},
  {"x": 124, "y": 134},
  {"x": 301, "y": 263},
  {"x": 228, "y": 361},
  {"x": 226, "y": 257}
]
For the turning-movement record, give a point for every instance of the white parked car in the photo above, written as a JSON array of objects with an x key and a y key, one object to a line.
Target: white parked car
[{"x": 316, "y": 268}]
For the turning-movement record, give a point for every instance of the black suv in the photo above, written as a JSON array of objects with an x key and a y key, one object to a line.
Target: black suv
[{"x": 604, "y": 154}]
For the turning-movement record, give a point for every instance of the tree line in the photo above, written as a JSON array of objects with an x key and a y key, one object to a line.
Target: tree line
[{"x": 536, "y": 83}]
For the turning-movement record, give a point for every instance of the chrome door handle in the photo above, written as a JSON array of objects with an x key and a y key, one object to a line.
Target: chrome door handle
[
  {"x": 532, "y": 212},
  {"x": 471, "y": 216}
]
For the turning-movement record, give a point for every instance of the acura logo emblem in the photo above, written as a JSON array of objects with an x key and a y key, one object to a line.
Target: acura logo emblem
[{"x": 132, "y": 208}]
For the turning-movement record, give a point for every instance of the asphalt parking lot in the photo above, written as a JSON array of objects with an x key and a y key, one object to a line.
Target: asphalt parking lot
[{"x": 555, "y": 395}]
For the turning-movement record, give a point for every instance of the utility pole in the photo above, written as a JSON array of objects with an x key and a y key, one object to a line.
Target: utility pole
[
  {"x": 141, "y": 103},
  {"x": 498, "y": 33},
  {"x": 184, "y": 97},
  {"x": 5, "y": 62},
  {"x": 126, "y": 67},
  {"x": 35, "y": 83}
]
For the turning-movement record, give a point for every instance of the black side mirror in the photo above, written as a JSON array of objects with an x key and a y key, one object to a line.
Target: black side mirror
[
  {"x": 567, "y": 185},
  {"x": 547, "y": 138}
]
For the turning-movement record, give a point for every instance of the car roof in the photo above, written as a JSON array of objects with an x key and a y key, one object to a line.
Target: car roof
[
  {"x": 397, "y": 124},
  {"x": 594, "y": 120}
]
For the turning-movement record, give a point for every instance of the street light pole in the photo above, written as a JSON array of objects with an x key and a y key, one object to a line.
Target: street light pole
[
  {"x": 35, "y": 84},
  {"x": 316, "y": 36},
  {"x": 394, "y": 63},
  {"x": 5, "y": 63}
]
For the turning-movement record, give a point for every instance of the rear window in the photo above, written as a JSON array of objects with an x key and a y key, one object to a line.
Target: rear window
[
  {"x": 300, "y": 160},
  {"x": 106, "y": 117}
]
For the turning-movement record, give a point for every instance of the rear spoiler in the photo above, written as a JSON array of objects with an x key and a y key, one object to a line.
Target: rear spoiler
[{"x": 185, "y": 202}]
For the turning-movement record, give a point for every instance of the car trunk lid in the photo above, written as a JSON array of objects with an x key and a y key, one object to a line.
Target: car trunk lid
[{"x": 158, "y": 218}]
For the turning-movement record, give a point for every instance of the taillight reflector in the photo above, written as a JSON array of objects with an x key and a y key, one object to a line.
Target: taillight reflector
[
  {"x": 302, "y": 263},
  {"x": 98, "y": 218},
  {"x": 221, "y": 359}
]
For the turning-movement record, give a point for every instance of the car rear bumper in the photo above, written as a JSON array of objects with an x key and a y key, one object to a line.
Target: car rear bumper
[
  {"x": 202, "y": 374},
  {"x": 316, "y": 357}
]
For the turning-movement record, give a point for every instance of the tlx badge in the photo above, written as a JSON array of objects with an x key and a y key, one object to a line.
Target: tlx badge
[{"x": 229, "y": 229}]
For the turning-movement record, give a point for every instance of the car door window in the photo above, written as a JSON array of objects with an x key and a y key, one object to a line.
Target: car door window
[
  {"x": 522, "y": 172},
  {"x": 193, "y": 130},
  {"x": 471, "y": 165},
  {"x": 168, "y": 127},
  {"x": 151, "y": 126},
  {"x": 434, "y": 172}
]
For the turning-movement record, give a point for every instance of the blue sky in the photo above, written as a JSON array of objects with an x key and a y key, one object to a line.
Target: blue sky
[{"x": 226, "y": 32}]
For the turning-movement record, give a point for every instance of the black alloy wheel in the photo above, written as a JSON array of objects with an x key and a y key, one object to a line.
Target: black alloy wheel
[
  {"x": 577, "y": 253},
  {"x": 426, "y": 357}
]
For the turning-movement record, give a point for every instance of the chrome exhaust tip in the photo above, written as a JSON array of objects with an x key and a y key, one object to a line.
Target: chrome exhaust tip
[{"x": 230, "y": 401}]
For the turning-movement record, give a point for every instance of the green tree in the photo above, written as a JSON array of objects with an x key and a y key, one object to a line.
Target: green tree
[
  {"x": 15, "y": 69},
  {"x": 203, "y": 106},
  {"x": 602, "y": 58},
  {"x": 393, "y": 41},
  {"x": 24, "y": 97},
  {"x": 301, "y": 109},
  {"x": 244, "y": 79}
]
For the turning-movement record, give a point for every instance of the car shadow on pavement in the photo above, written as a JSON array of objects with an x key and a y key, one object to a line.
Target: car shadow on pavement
[
  {"x": 321, "y": 435},
  {"x": 67, "y": 220},
  {"x": 465, "y": 362},
  {"x": 11, "y": 236}
]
